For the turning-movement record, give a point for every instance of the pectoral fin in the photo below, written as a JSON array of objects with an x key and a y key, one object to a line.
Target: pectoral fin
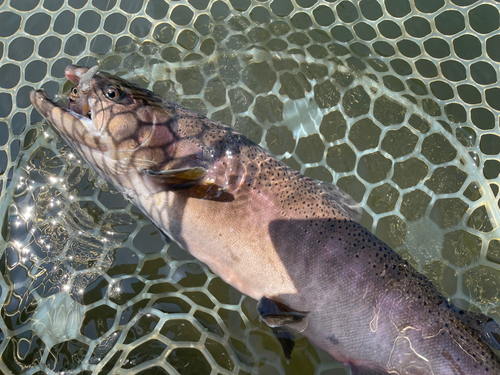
[
  {"x": 178, "y": 178},
  {"x": 283, "y": 321}
]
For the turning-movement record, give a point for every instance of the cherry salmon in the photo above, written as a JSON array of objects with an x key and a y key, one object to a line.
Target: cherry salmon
[{"x": 288, "y": 241}]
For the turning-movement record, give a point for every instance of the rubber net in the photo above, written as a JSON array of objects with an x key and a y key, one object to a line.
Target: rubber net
[{"x": 395, "y": 101}]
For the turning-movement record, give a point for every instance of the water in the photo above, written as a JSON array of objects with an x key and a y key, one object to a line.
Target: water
[{"x": 356, "y": 93}]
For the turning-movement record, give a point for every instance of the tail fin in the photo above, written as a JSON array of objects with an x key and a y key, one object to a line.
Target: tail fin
[
  {"x": 486, "y": 327},
  {"x": 491, "y": 334}
]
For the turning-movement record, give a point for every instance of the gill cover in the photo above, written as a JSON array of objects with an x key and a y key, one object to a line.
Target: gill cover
[{"x": 135, "y": 122}]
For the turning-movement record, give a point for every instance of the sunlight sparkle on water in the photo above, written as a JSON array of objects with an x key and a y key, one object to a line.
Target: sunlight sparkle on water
[{"x": 27, "y": 213}]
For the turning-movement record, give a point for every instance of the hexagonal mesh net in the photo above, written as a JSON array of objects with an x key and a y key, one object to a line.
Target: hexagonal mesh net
[{"x": 395, "y": 101}]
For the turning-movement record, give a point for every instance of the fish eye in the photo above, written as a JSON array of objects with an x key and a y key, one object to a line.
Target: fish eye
[
  {"x": 74, "y": 91},
  {"x": 113, "y": 93}
]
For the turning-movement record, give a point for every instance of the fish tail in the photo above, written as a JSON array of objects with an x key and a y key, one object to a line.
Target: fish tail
[{"x": 491, "y": 334}]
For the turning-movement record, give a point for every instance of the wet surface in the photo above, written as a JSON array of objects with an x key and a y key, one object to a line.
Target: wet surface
[{"x": 293, "y": 79}]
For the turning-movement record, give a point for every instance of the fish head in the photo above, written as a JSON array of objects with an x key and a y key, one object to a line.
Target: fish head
[{"x": 115, "y": 125}]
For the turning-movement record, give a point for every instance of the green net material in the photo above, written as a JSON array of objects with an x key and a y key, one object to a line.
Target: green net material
[{"x": 395, "y": 101}]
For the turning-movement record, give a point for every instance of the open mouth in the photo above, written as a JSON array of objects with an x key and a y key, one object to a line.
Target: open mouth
[
  {"x": 76, "y": 122},
  {"x": 78, "y": 102}
]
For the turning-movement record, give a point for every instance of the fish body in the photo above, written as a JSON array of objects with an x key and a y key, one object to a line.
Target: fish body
[{"x": 274, "y": 234}]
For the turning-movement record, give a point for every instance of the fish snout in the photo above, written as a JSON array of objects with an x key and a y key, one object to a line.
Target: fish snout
[{"x": 41, "y": 102}]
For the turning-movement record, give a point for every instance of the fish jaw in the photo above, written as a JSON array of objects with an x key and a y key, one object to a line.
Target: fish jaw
[
  {"x": 74, "y": 127},
  {"x": 78, "y": 131}
]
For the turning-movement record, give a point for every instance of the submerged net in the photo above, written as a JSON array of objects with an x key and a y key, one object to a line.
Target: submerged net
[{"x": 395, "y": 101}]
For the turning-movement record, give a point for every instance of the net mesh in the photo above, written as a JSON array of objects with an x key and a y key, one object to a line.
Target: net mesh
[{"x": 395, "y": 101}]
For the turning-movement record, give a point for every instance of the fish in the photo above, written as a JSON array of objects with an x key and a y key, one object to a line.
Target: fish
[{"x": 288, "y": 241}]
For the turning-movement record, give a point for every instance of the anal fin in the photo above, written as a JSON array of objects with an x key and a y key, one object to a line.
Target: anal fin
[
  {"x": 286, "y": 339},
  {"x": 283, "y": 321}
]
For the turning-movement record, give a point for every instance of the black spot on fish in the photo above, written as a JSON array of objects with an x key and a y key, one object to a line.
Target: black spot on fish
[{"x": 333, "y": 340}]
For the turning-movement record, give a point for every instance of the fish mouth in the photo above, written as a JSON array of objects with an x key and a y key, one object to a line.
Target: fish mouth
[
  {"x": 53, "y": 112},
  {"x": 74, "y": 127},
  {"x": 43, "y": 104}
]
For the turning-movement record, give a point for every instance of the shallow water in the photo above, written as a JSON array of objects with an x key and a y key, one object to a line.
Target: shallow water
[{"x": 357, "y": 93}]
